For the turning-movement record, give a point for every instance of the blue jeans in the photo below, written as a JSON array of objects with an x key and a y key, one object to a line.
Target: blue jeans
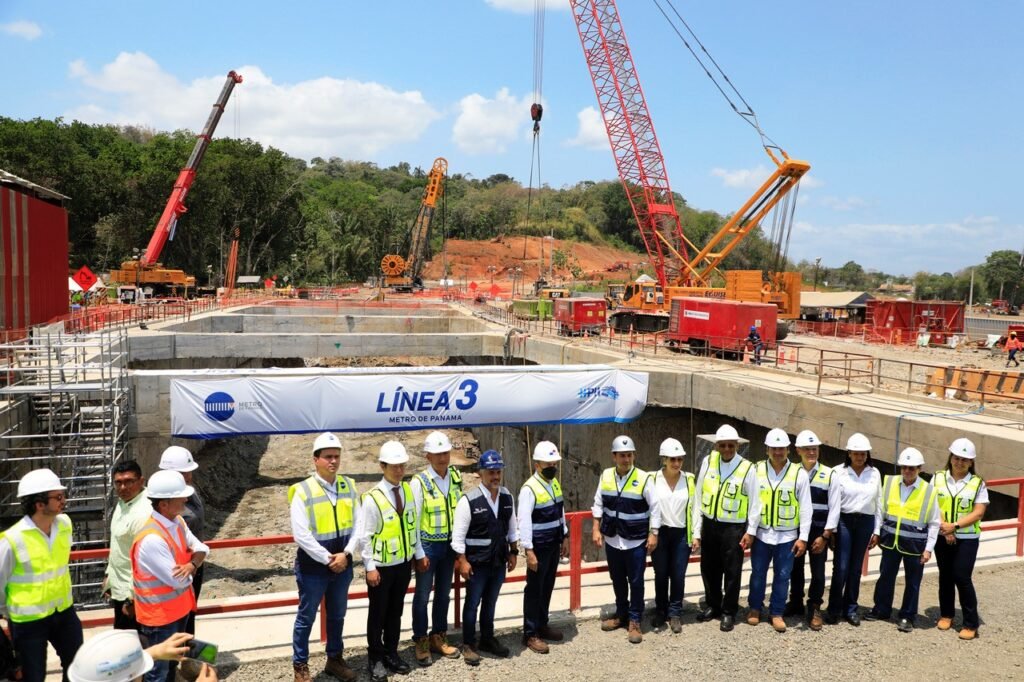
[
  {"x": 163, "y": 671},
  {"x": 482, "y": 590},
  {"x": 313, "y": 588},
  {"x": 913, "y": 571},
  {"x": 781, "y": 558},
  {"x": 670, "y": 559},
  {"x": 62, "y": 629},
  {"x": 855, "y": 532},
  {"x": 438, "y": 577},
  {"x": 626, "y": 567}
]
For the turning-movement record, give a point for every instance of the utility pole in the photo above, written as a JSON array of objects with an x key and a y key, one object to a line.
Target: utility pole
[
  {"x": 970, "y": 296},
  {"x": 817, "y": 262}
]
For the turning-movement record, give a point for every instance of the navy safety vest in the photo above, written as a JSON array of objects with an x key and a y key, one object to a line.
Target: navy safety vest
[
  {"x": 487, "y": 536},
  {"x": 547, "y": 511},
  {"x": 626, "y": 512},
  {"x": 905, "y": 524},
  {"x": 820, "y": 485},
  {"x": 438, "y": 510}
]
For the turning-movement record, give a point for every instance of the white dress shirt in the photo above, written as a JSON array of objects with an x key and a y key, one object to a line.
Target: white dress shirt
[
  {"x": 526, "y": 502},
  {"x": 673, "y": 502},
  {"x": 834, "y": 498},
  {"x": 156, "y": 558},
  {"x": 303, "y": 534},
  {"x": 934, "y": 515},
  {"x": 460, "y": 526},
  {"x": 125, "y": 523},
  {"x": 749, "y": 487},
  {"x": 650, "y": 496},
  {"x": 370, "y": 521},
  {"x": 857, "y": 494},
  {"x": 7, "y": 555},
  {"x": 773, "y": 536}
]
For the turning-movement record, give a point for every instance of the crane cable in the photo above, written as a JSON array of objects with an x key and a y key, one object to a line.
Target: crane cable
[{"x": 536, "y": 113}]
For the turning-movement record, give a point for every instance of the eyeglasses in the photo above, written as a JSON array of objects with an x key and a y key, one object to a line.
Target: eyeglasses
[{"x": 59, "y": 497}]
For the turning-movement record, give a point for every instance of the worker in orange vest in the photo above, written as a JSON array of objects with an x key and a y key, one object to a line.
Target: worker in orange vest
[
  {"x": 165, "y": 557},
  {"x": 1013, "y": 344}
]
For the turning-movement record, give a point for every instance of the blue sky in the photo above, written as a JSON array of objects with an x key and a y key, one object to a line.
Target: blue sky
[{"x": 907, "y": 111}]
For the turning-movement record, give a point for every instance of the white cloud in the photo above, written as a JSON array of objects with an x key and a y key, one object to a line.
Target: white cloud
[
  {"x": 525, "y": 6},
  {"x": 29, "y": 30},
  {"x": 591, "y": 133},
  {"x": 319, "y": 117},
  {"x": 486, "y": 126},
  {"x": 843, "y": 204},
  {"x": 752, "y": 178},
  {"x": 811, "y": 182}
]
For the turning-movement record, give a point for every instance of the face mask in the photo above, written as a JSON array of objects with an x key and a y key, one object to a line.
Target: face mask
[{"x": 549, "y": 472}]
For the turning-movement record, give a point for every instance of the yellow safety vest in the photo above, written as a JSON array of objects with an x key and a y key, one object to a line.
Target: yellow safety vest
[
  {"x": 780, "y": 508},
  {"x": 905, "y": 524},
  {"x": 327, "y": 521},
  {"x": 394, "y": 540},
  {"x": 547, "y": 510},
  {"x": 954, "y": 506},
  {"x": 724, "y": 500},
  {"x": 439, "y": 510},
  {"x": 40, "y": 584}
]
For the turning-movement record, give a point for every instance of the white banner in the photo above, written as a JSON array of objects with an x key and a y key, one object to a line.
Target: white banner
[{"x": 214, "y": 404}]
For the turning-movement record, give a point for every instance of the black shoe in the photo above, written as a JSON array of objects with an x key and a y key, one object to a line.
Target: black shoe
[
  {"x": 397, "y": 664},
  {"x": 658, "y": 621},
  {"x": 727, "y": 623},
  {"x": 492, "y": 646},
  {"x": 853, "y": 619},
  {"x": 905, "y": 625},
  {"x": 874, "y": 615},
  {"x": 831, "y": 618},
  {"x": 795, "y": 608},
  {"x": 378, "y": 673},
  {"x": 708, "y": 614}
]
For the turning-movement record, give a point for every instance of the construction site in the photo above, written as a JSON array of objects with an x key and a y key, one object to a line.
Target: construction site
[{"x": 500, "y": 344}]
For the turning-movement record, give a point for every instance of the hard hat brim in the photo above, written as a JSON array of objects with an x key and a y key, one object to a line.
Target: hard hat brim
[
  {"x": 188, "y": 491},
  {"x": 547, "y": 458},
  {"x": 185, "y": 469}
]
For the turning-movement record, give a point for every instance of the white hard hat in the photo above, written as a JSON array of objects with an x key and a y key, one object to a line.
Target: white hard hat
[
  {"x": 726, "y": 432},
  {"x": 807, "y": 439},
  {"x": 670, "y": 447},
  {"x": 393, "y": 452},
  {"x": 436, "y": 443},
  {"x": 546, "y": 451},
  {"x": 623, "y": 444},
  {"x": 963, "y": 447},
  {"x": 38, "y": 481},
  {"x": 910, "y": 457},
  {"x": 177, "y": 458},
  {"x": 858, "y": 442},
  {"x": 777, "y": 438},
  {"x": 168, "y": 485},
  {"x": 325, "y": 440},
  {"x": 113, "y": 656}
]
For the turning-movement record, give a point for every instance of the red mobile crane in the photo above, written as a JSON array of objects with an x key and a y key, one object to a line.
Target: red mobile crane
[
  {"x": 146, "y": 271},
  {"x": 641, "y": 168}
]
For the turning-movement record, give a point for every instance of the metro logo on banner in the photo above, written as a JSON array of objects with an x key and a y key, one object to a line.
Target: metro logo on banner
[
  {"x": 84, "y": 278},
  {"x": 216, "y": 403}
]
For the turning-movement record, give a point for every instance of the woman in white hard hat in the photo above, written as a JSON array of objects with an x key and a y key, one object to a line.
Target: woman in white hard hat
[
  {"x": 908, "y": 523},
  {"x": 963, "y": 499},
  {"x": 859, "y": 486},
  {"x": 117, "y": 656},
  {"x": 674, "y": 489}
]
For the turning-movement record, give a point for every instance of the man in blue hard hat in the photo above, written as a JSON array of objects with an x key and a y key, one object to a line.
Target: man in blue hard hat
[
  {"x": 485, "y": 538},
  {"x": 755, "y": 342}
]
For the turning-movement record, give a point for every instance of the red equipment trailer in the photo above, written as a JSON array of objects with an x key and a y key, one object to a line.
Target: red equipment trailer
[
  {"x": 719, "y": 325},
  {"x": 901, "y": 321},
  {"x": 580, "y": 316}
]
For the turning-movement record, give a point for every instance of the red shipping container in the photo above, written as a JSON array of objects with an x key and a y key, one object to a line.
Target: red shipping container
[
  {"x": 580, "y": 316},
  {"x": 33, "y": 253},
  {"x": 719, "y": 324},
  {"x": 902, "y": 321}
]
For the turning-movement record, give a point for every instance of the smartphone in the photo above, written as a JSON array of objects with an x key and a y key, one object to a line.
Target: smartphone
[{"x": 202, "y": 651}]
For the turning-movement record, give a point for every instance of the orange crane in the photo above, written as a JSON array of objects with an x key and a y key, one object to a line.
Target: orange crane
[
  {"x": 406, "y": 273},
  {"x": 229, "y": 283}
]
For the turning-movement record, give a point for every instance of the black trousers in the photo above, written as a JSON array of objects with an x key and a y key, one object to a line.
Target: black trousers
[
  {"x": 539, "y": 586},
  {"x": 721, "y": 557},
  {"x": 384, "y": 620},
  {"x": 956, "y": 566},
  {"x": 122, "y": 621},
  {"x": 197, "y": 586},
  {"x": 796, "y": 578}
]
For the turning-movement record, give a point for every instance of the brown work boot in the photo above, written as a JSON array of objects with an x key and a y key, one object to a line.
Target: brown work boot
[
  {"x": 302, "y": 672},
  {"x": 469, "y": 655},
  {"x": 536, "y": 644},
  {"x": 635, "y": 634},
  {"x": 753, "y": 617},
  {"x": 676, "y": 624},
  {"x": 945, "y": 623},
  {"x": 337, "y": 667},
  {"x": 816, "y": 620},
  {"x": 440, "y": 646},
  {"x": 423, "y": 652},
  {"x": 613, "y": 623},
  {"x": 778, "y": 624},
  {"x": 968, "y": 634},
  {"x": 549, "y": 633}
]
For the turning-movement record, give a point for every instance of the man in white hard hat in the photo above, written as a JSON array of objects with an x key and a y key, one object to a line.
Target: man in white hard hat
[
  {"x": 34, "y": 581},
  {"x": 390, "y": 541},
  {"x": 783, "y": 529},
  {"x": 325, "y": 513},
  {"x": 825, "y": 498},
  {"x": 724, "y": 524},
  {"x": 165, "y": 557},
  {"x": 435, "y": 491},
  {"x": 177, "y": 458},
  {"x": 626, "y": 522},
  {"x": 130, "y": 514},
  {"x": 544, "y": 534},
  {"x": 908, "y": 518},
  {"x": 118, "y": 656}
]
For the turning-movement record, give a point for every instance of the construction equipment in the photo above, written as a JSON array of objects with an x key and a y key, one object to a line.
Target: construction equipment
[
  {"x": 641, "y": 168},
  {"x": 580, "y": 316},
  {"x": 147, "y": 275},
  {"x": 406, "y": 274},
  {"x": 229, "y": 284}
]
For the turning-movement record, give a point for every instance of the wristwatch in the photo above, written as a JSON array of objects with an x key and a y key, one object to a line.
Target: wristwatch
[{"x": 654, "y": 532}]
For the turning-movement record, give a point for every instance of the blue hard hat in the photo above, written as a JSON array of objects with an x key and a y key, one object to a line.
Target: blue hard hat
[
  {"x": 753, "y": 328},
  {"x": 491, "y": 459}
]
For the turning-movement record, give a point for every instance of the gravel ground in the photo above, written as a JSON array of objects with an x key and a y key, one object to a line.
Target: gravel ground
[{"x": 873, "y": 651}]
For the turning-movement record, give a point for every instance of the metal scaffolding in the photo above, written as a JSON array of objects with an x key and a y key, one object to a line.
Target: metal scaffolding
[{"x": 64, "y": 405}]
